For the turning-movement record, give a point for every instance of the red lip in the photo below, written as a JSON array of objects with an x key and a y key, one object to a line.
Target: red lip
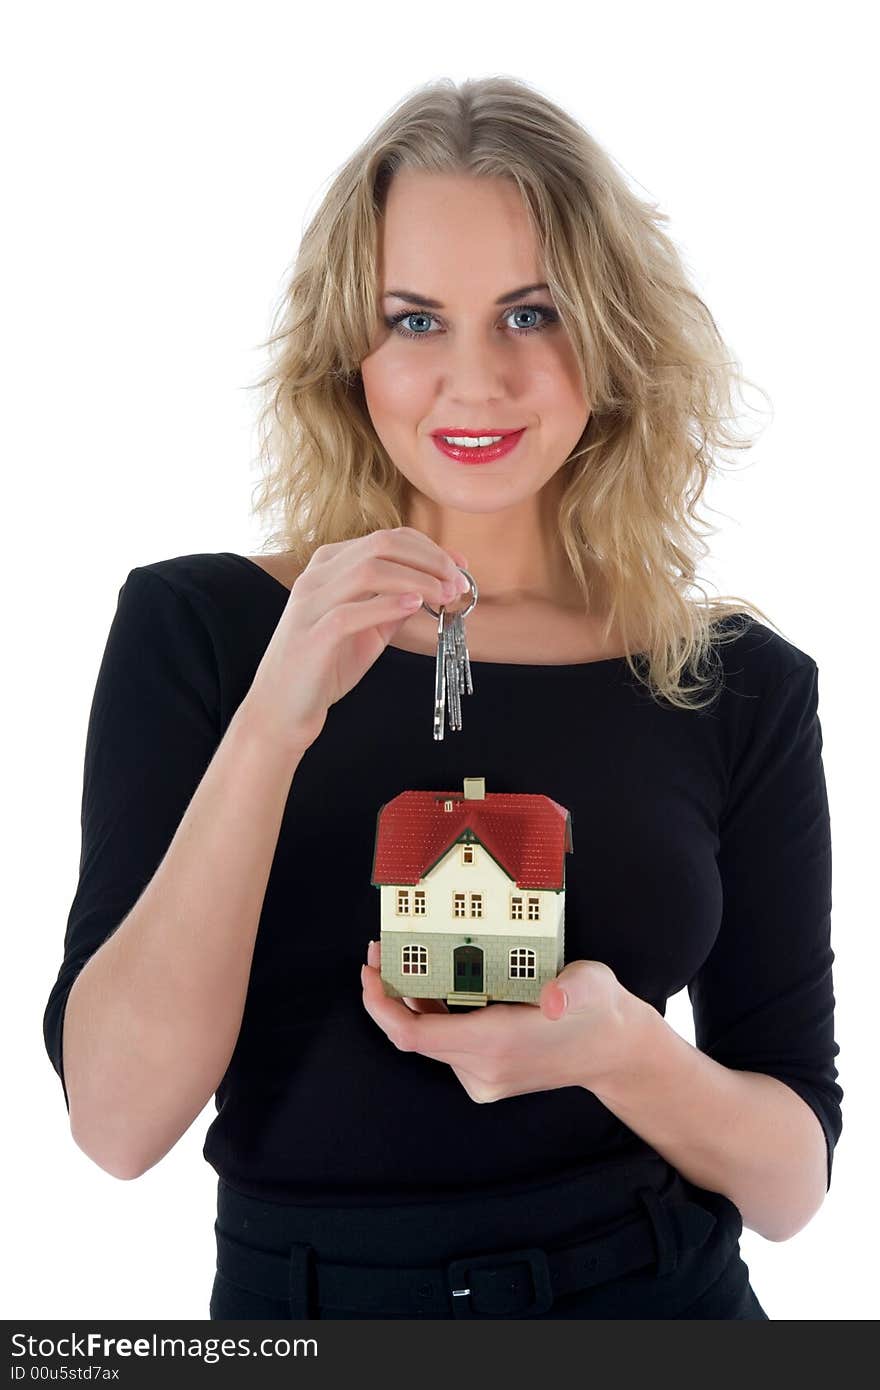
[{"x": 474, "y": 455}]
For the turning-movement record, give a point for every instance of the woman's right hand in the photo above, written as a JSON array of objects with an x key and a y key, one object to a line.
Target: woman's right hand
[{"x": 343, "y": 610}]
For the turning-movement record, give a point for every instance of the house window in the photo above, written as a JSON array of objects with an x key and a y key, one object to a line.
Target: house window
[
  {"x": 419, "y": 907},
  {"x": 533, "y": 911},
  {"x": 467, "y": 854},
  {"x": 458, "y": 905},
  {"x": 414, "y": 960},
  {"x": 476, "y": 904},
  {"x": 403, "y": 901},
  {"x": 522, "y": 963}
]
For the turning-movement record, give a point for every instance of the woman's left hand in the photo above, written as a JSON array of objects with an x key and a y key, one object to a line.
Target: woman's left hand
[{"x": 582, "y": 1031}]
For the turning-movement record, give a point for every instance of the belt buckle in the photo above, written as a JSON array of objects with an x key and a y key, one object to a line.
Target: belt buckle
[{"x": 459, "y": 1287}]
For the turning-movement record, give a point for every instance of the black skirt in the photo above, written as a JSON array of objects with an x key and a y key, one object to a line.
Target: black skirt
[{"x": 630, "y": 1239}]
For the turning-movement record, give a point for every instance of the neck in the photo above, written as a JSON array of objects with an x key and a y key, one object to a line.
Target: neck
[{"x": 514, "y": 554}]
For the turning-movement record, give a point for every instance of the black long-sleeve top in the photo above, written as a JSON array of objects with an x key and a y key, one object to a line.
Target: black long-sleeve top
[{"x": 701, "y": 858}]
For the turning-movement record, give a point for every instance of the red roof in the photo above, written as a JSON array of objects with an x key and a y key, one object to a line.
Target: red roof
[{"x": 528, "y": 834}]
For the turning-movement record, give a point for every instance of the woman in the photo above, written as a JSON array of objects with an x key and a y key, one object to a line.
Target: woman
[{"x": 478, "y": 267}]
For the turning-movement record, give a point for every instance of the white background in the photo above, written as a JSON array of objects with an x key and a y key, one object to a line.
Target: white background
[{"x": 161, "y": 162}]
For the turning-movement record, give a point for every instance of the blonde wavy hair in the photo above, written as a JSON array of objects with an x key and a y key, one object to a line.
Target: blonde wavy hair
[{"x": 655, "y": 369}]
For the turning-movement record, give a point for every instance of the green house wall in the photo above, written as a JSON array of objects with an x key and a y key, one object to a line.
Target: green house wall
[{"x": 440, "y": 979}]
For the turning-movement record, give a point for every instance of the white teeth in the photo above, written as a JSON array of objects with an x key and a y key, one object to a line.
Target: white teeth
[{"x": 481, "y": 442}]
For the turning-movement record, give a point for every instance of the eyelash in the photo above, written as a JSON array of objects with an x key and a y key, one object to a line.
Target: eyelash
[{"x": 550, "y": 315}]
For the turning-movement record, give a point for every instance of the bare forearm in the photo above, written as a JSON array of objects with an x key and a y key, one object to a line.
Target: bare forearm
[
  {"x": 741, "y": 1133},
  {"x": 153, "y": 1017}
]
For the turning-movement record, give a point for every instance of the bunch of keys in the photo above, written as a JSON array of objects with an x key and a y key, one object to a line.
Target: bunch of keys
[{"x": 453, "y": 675}]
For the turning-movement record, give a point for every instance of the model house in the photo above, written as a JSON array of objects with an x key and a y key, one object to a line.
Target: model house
[{"x": 472, "y": 893}]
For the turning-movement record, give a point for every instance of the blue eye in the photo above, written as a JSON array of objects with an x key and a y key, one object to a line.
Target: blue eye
[{"x": 550, "y": 317}]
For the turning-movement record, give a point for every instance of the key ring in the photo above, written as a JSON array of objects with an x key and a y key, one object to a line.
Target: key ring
[{"x": 473, "y": 583}]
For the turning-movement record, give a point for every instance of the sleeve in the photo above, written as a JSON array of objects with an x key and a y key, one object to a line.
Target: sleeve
[
  {"x": 763, "y": 1000},
  {"x": 152, "y": 731}
]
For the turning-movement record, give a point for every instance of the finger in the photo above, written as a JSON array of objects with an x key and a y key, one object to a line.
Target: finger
[
  {"x": 388, "y": 1011},
  {"x": 425, "y": 1006},
  {"x": 553, "y": 1000}
]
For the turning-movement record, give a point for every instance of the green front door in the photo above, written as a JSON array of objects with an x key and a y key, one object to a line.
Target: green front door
[{"x": 468, "y": 963}]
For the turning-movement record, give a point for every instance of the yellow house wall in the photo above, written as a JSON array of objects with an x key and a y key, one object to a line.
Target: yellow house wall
[{"x": 495, "y": 931}]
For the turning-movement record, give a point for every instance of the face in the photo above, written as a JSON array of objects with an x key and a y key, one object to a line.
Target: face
[{"x": 472, "y": 363}]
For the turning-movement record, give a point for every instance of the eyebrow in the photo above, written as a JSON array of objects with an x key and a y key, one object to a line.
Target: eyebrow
[{"x": 411, "y": 297}]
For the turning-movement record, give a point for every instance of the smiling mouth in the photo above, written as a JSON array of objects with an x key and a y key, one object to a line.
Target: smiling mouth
[{"x": 479, "y": 453}]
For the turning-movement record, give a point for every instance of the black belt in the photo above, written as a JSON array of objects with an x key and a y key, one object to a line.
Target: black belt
[{"x": 507, "y": 1283}]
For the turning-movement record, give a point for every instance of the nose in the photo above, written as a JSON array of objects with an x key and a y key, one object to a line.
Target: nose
[{"x": 477, "y": 369}]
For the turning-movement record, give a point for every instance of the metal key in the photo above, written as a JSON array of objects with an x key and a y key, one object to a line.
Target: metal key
[{"x": 452, "y": 677}]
